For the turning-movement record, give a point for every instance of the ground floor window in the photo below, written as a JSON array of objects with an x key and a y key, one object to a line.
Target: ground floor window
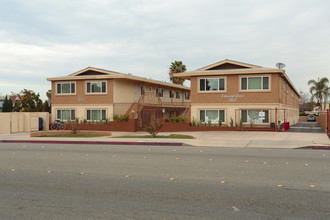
[
  {"x": 65, "y": 114},
  {"x": 255, "y": 116},
  {"x": 212, "y": 115},
  {"x": 96, "y": 114}
]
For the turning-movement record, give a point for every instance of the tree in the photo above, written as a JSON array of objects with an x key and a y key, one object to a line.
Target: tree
[
  {"x": 7, "y": 105},
  {"x": 49, "y": 96},
  {"x": 177, "y": 67},
  {"x": 320, "y": 90},
  {"x": 304, "y": 102},
  {"x": 29, "y": 102},
  {"x": 45, "y": 107}
]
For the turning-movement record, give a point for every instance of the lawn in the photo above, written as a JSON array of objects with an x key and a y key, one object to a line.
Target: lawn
[
  {"x": 76, "y": 135},
  {"x": 159, "y": 136}
]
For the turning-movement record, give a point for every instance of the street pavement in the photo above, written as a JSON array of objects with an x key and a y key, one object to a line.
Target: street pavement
[
  {"x": 306, "y": 127},
  {"x": 57, "y": 181}
]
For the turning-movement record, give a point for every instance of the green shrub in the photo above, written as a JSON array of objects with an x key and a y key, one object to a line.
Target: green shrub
[
  {"x": 220, "y": 123},
  {"x": 231, "y": 122},
  {"x": 120, "y": 118},
  {"x": 177, "y": 119}
]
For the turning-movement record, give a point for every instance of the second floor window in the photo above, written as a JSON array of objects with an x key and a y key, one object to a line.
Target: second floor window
[
  {"x": 187, "y": 95},
  {"x": 255, "y": 83},
  {"x": 171, "y": 94},
  {"x": 66, "y": 88},
  {"x": 159, "y": 92},
  {"x": 177, "y": 95},
  {"x": 212, "y": 84},
  {"x": 96, "y": 87}
]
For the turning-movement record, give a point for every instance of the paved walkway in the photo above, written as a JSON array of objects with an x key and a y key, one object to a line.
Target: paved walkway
[{"x": 209, "y": 138}]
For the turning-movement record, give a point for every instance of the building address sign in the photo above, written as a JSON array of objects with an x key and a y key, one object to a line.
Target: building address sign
[{"x": 233, "y": 97}]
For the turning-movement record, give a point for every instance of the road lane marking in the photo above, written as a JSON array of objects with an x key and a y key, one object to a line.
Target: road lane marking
[
  {"x": 171, "y": 178},
  {"x": 279, "y": 185}
]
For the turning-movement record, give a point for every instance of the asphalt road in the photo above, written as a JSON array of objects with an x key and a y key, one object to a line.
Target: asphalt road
[
  {"x": 153, "y": 182},
  {"x": 306, "y": 127}
]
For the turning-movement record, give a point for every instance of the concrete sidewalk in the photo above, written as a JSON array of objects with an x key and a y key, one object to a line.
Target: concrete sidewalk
[{"x": 242, "y": 139}]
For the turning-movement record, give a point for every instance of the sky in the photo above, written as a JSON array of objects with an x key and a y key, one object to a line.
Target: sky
[{"x": 46, "y": 38}]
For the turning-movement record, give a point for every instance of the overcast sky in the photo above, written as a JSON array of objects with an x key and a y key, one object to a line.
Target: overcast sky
[{"x": 41, "y": 38}]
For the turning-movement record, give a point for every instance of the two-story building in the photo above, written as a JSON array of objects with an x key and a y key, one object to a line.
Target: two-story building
[
  {"x": 94, "y": 94},
  {"x": 242, "y": 94}
]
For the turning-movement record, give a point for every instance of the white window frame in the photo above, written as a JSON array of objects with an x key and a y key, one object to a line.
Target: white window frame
[
  {"x": 215, "y": 122},
  {"x": 101, "y": 110},
  {"x": 247, "y": 83},
  {"x": 71, "y": 110},
  {"x": 218, "y": 78},
  {"x": 70, "y": 93},
  {"x": 91, "y": 92}
]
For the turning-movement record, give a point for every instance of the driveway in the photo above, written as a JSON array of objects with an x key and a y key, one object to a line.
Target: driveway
[{"x": 306, "y": 127}]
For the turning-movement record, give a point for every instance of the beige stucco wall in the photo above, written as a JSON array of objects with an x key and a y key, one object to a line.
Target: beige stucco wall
[
  {"x": 124, "y": 91},
  {"x": 81, "y": 110},
  {"x": 233, "y": 111},
  {"x": 15, "y": 122}
]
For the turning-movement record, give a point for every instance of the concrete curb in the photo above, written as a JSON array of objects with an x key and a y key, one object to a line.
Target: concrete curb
[{"x": 95, "y": 142}]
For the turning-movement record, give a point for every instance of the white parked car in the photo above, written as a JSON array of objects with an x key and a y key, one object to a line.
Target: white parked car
[{"x": 311, "y": 118}]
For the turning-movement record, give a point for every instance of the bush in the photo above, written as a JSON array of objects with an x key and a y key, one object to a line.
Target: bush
[
  {"x": 154, "y": 128},
  {"x": 177, "y": 119},
  {"x": 120, "y": 118}
]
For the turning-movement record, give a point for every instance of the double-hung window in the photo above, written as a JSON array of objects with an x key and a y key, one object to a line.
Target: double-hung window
[
  {"x": 213, "y": 116},
  {"x": 159, "y": 92},
  {"x": 171, "y": 94},
  {"x": 177, "y": 95},
  {"x": 96, "y": 87},
  {"x": 187, "y": 95},
  {"x": 66, "y": 88},
  {"x": 255, "y": 83},
  {"x": 212, "y": 84},
  {"x": 65, "y": 114},
  {"x": 96, "y": 115},
  {"x": 255, "y": 116}
]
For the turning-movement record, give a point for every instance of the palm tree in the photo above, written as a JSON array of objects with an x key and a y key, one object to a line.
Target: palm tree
[
  {"x": 319, "y": 90},
  {"x": 177, "y": 67}
]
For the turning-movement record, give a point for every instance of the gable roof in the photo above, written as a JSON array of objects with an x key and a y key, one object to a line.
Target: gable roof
[
  {"x": 227, "y": 61},
  {"x": 92, "y": 73},
  {"x": 98, "y": 70}
]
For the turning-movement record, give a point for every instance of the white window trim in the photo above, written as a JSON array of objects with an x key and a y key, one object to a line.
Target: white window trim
[
  {"x": 69, "y": 82},
  {"x": 99, "y": 109},
  {"x": 97, "y": 93},
  {"x": 63, "y": 109},
  {"x": 218, "y": 109},
  {"x": 215, "y": 77},
  {"x": 255, "y": 90}
]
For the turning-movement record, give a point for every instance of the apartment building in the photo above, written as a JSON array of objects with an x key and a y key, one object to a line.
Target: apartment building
[
  {"x": 243, "y": 94},
  {"x": 94, "y": 94}
]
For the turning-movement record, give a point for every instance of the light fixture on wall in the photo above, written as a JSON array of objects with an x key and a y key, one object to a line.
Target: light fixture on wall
[{"x": 163, "y": 110}]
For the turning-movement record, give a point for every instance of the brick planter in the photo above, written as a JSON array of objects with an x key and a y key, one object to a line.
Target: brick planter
[{"x": 183, "y": 126}]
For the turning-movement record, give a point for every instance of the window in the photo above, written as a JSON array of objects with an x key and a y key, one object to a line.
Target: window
[
  {"x": 159, "y": 92},
  {"x": 66, "y": 88},
  {"x": 212, "y": 115},
  {"x": 96, "y": 115},
  {"x": 212, "y": 84},
  {"x": 143, "y": 91},
  {"x": 96, "y": 87},
  {"x": 255, "y": 116},
  {"x": 65, "y": 114},
  {"x": 187, "y": 95},
  {"x": 177, "y": 95},
  {"x": 255, "y": 83},
  {"x": 171, "y": 94}
]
